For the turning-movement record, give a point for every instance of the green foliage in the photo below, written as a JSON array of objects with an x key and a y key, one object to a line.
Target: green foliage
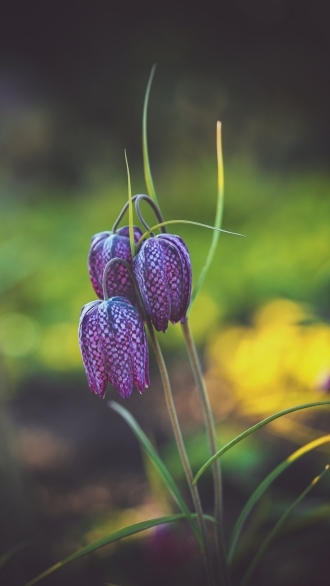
[
  {"x": 254, "y": 428},
  {"x": 115, "y": 536},
  {"x": 273, "y": 533},
  {"x": 158, "y": 464},
  {"x": 254, "y": 498}
]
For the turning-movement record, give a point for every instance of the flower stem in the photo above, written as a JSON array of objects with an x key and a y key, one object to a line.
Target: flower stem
[
  {"x": 212, "y": 440},
  {"x": 182, "y": 451}
]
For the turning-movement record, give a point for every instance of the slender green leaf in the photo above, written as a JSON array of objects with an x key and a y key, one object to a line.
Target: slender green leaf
[
  {"x": 5, "y": 557},
  {"x": 277, "y": 527},
  {"x": 218, "y": 219},
  {"x": 130, "y": 210},
  {"x": 158, "y": 464},
  {"x": 148, "y": 232},
  {"x": 110, "y": 538},
  {"x": 146, "y": 164},
  {"x": 254, "y": 428},
  {"x": 265, "y": 484}
]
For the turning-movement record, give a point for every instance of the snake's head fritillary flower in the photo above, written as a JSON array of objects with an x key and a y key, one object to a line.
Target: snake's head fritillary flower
[
  {"x": 114, "y": 346},
  {"x": 104, "y": 247},
  {"x": 163, "y": 272}
]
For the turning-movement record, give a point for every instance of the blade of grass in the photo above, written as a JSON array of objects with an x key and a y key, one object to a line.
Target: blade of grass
[
  {"x": 265, "y": 484},
  {"x": 254, "y": 428},
  {"x": 161, "y": 224},
  {"x": 277, "y": 527},
  {"x": 158, "y": 464},
  {"x": 213, "y": 447},
  {"x": 110, "y": 538},
  {"x": 218, "y": 218},
  {"x": 5, "y": 557},
  {"x": 130, "y": 210},
  {"x": 146, "y": 164}
]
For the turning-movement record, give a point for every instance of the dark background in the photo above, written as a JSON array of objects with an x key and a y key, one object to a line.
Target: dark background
[{"x": 262, "y": 66}]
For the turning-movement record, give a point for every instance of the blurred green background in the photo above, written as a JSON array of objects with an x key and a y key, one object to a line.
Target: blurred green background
[{"x": 72, "y": 83}]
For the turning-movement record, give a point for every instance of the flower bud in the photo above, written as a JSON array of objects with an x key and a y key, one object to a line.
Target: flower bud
[
  {"x": 104, "y": 247},
  {"x": 114, "y": 346},
  {"x": 162, "y": 269}
]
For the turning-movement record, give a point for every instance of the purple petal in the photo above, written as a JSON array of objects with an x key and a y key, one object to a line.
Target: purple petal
[
  {"x": 106, "y": 246},
  {"x": 187, "y": 274},
  {"x": 119, "y": 281},
  {"x": 175, "y": 278},
  {"x": 90, "y": 348},
  {"x": 95, "y": 262},
  {"x": 150, "y": 271},
  {"x": 124, "y": 231},
  {"x": 124, "y": 346},
  {"x": 163, "y": 272}
]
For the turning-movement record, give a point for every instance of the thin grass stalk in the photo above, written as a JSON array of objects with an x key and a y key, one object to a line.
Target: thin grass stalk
[
  {"x": 182, "y": 451},
  {"x": 254, "y": 428},
  {"x": 273, "y": 533},
  {"x": 212, "y": 441}
]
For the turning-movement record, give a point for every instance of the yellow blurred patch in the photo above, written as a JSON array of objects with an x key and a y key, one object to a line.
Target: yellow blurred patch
[
  {"x": 203, "y": 316},
  {"x": 59, "y": 348},
  {"x": 275, "y": 363}
]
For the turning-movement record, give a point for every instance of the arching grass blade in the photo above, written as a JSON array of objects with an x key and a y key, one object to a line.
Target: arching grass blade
[
  {"x": 5, "y": 557},
  {"x": 265, "y": 484},
  {"x": 218, "y": 217},
  {"x": 254, "y": 428},
  {"x": 158, "y": 463},
  {"x": 146, "y": 163},
  {"x": 277, "y": 527},
  {"x": 110, "y": 538}
]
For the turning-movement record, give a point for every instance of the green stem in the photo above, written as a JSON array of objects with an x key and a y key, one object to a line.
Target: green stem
[
  {"x": 212, "y": 440},
  {"x": 182, "y": 450},
  {"x": 146, "y": 163}
]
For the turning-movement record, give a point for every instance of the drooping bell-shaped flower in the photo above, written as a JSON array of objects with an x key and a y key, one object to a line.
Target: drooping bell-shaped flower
[
  {"x": 114, "y": 346},
  {"x": 104, "y": 247},
  {"x": 162, "y": 269}
]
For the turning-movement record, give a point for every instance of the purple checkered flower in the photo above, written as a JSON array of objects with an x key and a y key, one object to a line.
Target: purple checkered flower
[
  {"x": 104, "y": 247},
  {"x": 162, "y": 269},
  {"x": 114, "y": 346}
]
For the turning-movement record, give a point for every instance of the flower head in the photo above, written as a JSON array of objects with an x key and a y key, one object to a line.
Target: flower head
[
  {"x": 104, "y": 247},
  {"x": 163, "y": 272},
  {"x": 114, "y": 346}
]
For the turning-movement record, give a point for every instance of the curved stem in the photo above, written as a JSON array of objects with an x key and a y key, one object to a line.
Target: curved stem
[
  {"x": 121, "y": 215},
  {"x": 212, "y": 440},
  {"x": 155, "y": 208},
  {"x": 182, "y": 450},
  {"x": 139, "y": 197}
]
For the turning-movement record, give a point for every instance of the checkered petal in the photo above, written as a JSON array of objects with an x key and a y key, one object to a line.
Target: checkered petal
[
  {"x": 186, "y": 283},
  {"x": 95, "y": 261},
  {"x": 104, "y": 247},
  {"x": 114, "y": 346},
  {"x": 163, "y": 272},
  {"x": 90, "y": 348},
  {"x": 124, "y": 346}
]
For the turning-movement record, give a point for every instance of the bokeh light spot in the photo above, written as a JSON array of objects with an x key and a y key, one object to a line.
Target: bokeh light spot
[{"x": 18, "y": 334}]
